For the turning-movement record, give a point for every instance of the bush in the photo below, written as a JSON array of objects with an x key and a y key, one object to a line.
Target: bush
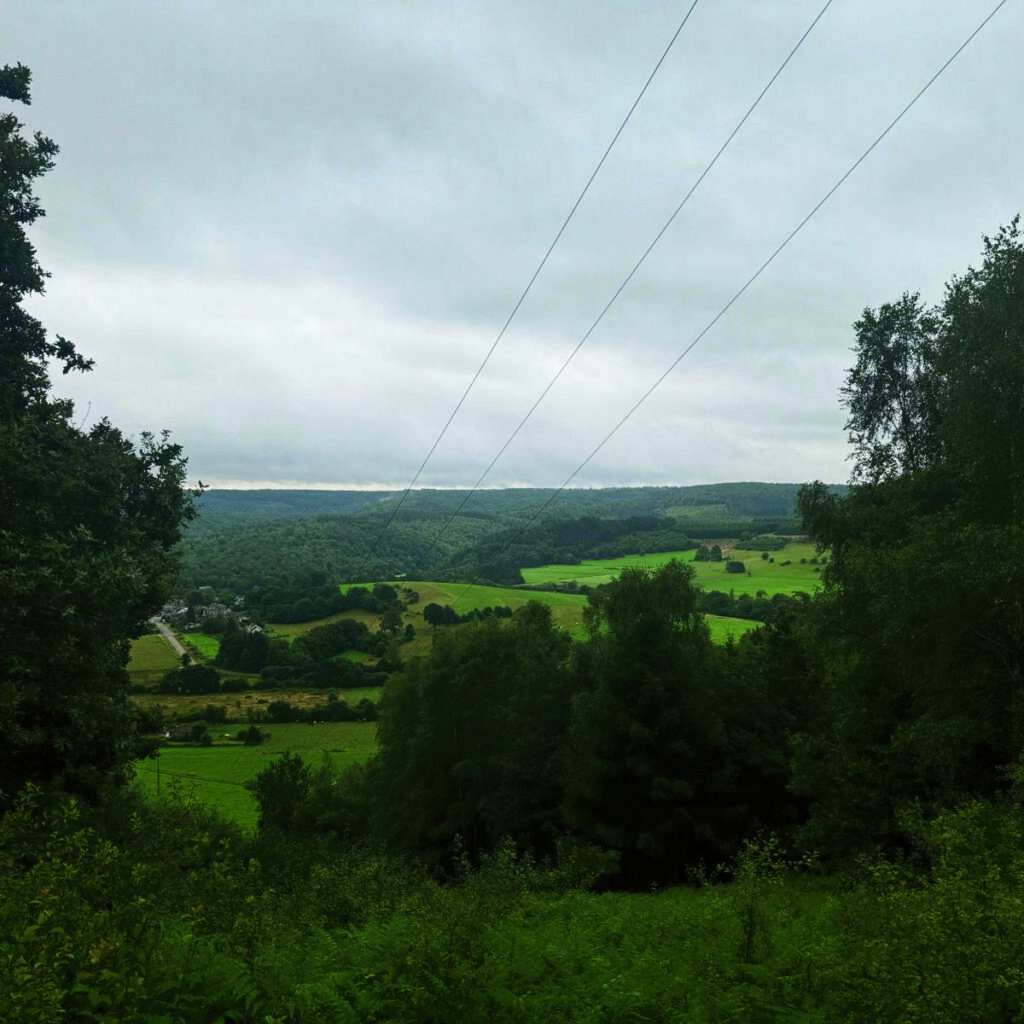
[
  {"x": 195, "y": 679},
  {"x": 734, "y": 566},
  {"x": 215, "y": 713},
  {"x": 199, "y": 734},
  {"x": 951, "y": 949},
  {"x": 283, "y": 711}
]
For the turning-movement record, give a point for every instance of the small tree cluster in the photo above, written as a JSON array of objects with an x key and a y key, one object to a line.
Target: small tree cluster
[
  {"x": 445, "y": 615},
  {"x": 707, "y": 554}
]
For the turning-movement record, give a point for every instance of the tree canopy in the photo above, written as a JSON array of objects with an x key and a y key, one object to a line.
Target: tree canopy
[
  {"x": 920, "y": 633},
  {"x": 90, "y": 522}
]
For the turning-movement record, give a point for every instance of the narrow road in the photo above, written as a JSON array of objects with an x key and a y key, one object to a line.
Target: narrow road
[{"x": 168, "y": 635}]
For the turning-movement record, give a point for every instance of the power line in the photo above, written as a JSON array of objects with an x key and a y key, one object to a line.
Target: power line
[
  {"x": 526, "y": 290},
  {"x": 757, "y": 273},
  {"x": 629, "y": 277}
]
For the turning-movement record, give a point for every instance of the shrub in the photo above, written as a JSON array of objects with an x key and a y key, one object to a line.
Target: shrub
[
  {"x": 950, "y": 949},
  {"x": 199, "y": 734},
  {"x": 215, "y": 713}
]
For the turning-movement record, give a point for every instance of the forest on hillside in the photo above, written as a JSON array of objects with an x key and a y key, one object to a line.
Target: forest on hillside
[
  {"x": 820, "y": 821},
  {"x": 286, "y": 541}
]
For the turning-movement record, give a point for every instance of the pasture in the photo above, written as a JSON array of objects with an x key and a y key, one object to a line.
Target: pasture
[
  {"x": 151, "y": 657},
  {"x": 566, "y": 609},
  {"x": 761, "y": 574},
  {"x": 215, "y": 776},
  {"x": 205, "y": 645},
  {"x": 722, "y": 627}
]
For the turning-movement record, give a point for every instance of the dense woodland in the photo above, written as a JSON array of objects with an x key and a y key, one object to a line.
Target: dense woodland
[
  {"x": 273, "y": 551},
  {"x": 821, "y": 821}
]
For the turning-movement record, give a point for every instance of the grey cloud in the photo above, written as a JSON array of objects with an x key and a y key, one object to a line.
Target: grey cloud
[{"x": 291, "y": 234}]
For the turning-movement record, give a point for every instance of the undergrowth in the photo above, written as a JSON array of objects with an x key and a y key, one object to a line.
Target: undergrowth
[{"x": 179, "y": 920}]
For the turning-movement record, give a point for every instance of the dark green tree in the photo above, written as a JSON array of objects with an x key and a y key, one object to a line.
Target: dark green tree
[
  {"x": 648, "y": 765},
  {"x": 921, "y": 624},
  {"x": 891, "y": 390},
  {"x": 980, "y": 366},
  {"x": 243, "y": 648},
  {"x": 192, "y": 679},
  {"x": 88, "y": 527},
  {"x": 280, "y": 790},
  {"x": 469, "y": 738}
]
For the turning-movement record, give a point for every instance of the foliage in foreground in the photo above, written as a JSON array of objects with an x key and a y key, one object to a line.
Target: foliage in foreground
[{"x": 171, "y": 915}]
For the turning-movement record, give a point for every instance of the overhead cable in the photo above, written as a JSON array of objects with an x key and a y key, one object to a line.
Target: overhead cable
[
  {"x": 526, "y": 290},
  {"x": 757, "y": 273},
  {"x": 629, "y": 277}
]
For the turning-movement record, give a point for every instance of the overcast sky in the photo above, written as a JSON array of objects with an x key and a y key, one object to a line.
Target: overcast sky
[{"x": 290, "y": 233}]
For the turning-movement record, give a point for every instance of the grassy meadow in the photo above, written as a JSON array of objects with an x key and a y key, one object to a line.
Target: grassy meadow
[
  {"x": 202, "y": 644},
  {"x": 724, "y": 626},
  {"x": 566, "y": 609},
  {"x": 151, "y": 657},
  {"x": 294, "y": 629},
  {"x": 762, "y": 574},
  {"x": 772, "y": 577},
  {"x": 216, "y": 775}
]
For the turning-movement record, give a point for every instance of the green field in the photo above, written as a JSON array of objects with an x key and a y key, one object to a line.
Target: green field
[
  {"x": 215, "y": 775},
  {"x": 762, "y": 574},
  {"x": 723, "y": 626},
  {"x": 566, "y": 609},
  {"x": 207, "y": 646},
  {"x": 151, "y": 657}
]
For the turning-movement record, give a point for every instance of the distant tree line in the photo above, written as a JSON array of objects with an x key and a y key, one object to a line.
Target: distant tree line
[
  {"x": 707, "y": 554},
  {"x": 334, "y": 710},
  {"x": 311, "y": 596},
  {"x": 445, "y": 615},
  {"x": 759, "y": 607}
]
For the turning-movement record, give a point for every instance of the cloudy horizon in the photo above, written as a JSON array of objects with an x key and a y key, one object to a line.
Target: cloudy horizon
[{"x": 290, "y": 236}]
